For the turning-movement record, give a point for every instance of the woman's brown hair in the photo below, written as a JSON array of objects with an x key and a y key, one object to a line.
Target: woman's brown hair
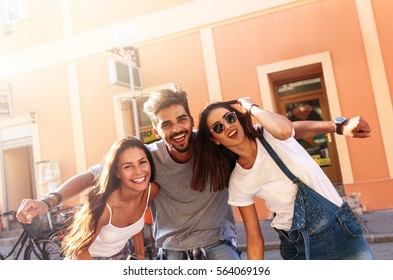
[
  {"x": 214, "y": 163},
  {"x": 82, "y": 230}
]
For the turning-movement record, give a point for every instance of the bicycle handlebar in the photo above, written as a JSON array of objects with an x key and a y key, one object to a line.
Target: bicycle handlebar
[{"x": 8, "y": 213}]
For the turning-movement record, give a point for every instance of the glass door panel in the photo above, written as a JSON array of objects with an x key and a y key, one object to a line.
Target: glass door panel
[{"x": 316, "y": 146}]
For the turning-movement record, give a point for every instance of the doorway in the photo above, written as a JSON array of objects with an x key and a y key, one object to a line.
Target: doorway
[
  {"x": 19, "y": 149},
  {"x": 18, "y": 175},
  {"x": 304, "y": 98}
]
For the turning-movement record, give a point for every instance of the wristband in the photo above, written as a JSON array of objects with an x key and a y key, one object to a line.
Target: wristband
[
  {"x": 252, "y": 105},
  {"x": 48, "y": 203},
  {"x": 58, "y": 197}
]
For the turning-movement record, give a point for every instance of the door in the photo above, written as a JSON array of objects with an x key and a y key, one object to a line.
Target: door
[
  {"x": 17, "y": 166},
  {"x": 305, "y": 99}
]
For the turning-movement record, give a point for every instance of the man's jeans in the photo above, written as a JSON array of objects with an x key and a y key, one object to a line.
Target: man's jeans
[{"x": 223, "y": 250}]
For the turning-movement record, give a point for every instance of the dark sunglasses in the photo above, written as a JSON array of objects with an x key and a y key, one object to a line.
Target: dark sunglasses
[{"x": 229, "y": 118}]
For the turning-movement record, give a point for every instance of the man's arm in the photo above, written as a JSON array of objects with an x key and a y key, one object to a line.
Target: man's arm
[
  {"x": 355, "y": 127},
  {"x": 30, "y": 208}
]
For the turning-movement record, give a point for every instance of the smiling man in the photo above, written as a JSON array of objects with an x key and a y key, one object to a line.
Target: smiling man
[{"x": 188, "y": 224}]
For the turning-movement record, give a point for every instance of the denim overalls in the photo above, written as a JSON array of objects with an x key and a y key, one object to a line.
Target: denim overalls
[{"x": 320, "y": 229}]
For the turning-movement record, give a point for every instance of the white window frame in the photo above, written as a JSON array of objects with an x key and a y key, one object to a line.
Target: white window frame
[{"x": 17, "y": 7}]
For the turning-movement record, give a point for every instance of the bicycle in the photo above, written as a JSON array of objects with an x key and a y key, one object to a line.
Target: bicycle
[
  {"x": 32, "y": 241},
  {"x": 60, "y": 219}
]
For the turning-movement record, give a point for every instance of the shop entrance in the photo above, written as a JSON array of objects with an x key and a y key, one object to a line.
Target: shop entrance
[{"x": 305, "y": 99}]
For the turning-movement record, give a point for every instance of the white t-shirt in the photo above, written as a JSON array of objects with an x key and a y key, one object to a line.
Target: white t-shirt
[{"x": 267, "y": 181}]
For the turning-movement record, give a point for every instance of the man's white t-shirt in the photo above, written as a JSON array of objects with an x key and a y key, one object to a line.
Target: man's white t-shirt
[{"x": 267, "y": 181}]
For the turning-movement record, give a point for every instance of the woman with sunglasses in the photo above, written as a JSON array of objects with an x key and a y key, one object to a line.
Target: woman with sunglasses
[{"x": 266, "y": 161}]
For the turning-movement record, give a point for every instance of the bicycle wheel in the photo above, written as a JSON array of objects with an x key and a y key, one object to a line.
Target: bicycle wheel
[{"x": 43, "y": 250}]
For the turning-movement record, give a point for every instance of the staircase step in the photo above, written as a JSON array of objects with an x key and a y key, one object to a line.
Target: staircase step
[{"x": 340, "y": 189}]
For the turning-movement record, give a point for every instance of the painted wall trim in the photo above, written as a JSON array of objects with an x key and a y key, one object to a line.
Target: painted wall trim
[
  {"x": 67, "y": 18},
  {"x": 378, "y": 77},
  {"x": 211, "y": 67},
  {"x": 267, "y": 94},
  {"x": 76, "y": 118},
  {"x": 119, "y": 118},
  {"x": 14, "y": 121}
]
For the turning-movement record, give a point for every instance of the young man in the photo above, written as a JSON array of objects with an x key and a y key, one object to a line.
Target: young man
[{"x": 187, "y": 224}]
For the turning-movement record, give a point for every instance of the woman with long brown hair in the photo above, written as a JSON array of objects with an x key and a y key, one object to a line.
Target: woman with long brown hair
[{"x": 115, "y": 208}]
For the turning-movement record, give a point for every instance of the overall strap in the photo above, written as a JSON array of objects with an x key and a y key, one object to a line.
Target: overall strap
[
  {"x": 296, "y": 180},
  {"x": 299, "y": 219}
]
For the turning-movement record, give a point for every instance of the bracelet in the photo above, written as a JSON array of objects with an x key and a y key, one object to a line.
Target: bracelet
[
  {"x": 58, "y": 197},
  {"x": 48, "y": 203},
  {"x": 252, "y": 105}
]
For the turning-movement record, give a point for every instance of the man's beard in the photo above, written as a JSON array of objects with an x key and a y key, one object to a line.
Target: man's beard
[
  {"x": 184, "y": 150},
  {"x": 180, "y": 150}
]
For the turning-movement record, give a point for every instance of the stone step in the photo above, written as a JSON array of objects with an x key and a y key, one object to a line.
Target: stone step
[{"x": 340, "y": 189}]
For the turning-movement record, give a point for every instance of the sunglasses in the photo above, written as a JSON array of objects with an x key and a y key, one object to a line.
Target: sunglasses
[{"x": 229, "y": 118}]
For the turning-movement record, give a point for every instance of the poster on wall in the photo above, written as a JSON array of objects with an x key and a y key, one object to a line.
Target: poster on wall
[{"x": 48, "y": 176}]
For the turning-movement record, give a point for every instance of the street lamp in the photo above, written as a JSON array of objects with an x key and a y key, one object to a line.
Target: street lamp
[{"x": 127, "y": 39}]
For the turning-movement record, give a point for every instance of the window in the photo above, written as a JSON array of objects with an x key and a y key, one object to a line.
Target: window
[
  {"x": 12, "y": 11},
  {"x": 300, "y": 86},
  {"x": 5, "y": 99},
  {"x": 119, "y": 74}
]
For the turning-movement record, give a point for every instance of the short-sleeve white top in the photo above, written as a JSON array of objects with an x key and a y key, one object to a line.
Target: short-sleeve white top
[{"x": 266, "y": 180}]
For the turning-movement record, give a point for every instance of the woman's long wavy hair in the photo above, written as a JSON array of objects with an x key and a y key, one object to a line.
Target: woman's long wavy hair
[
  {"x": 214, "y": 163},
  {"x": 83, "y": 228}
]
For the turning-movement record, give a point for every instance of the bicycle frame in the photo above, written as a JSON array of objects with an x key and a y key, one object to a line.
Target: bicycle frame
[
  {"x": 17, "y": 248},
  {"x": 23, "y": 241}
]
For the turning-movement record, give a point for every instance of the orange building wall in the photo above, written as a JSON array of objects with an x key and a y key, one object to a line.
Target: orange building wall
[
  {"x": 374, "y": 195},
  {"x": 109, "y": 12},
  {"x": 320, "y": 26},
  {"x": 383, "y": 17},
  {"x": 34, "y": 93},
  {"x": 178, "y": 60},
  {"x": 96, "y": 99}
]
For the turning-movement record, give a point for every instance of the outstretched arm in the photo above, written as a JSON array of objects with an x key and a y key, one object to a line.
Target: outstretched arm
[
  {"x": 30, "y": 208},
  {"x": 356, "y": 127}
]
